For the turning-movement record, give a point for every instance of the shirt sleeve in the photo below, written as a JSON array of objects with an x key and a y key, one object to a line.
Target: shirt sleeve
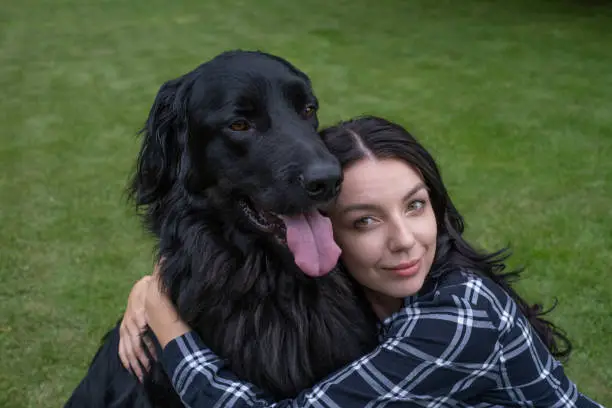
[
  {"x": 445, "y": 352},
  {"x": 441, "y": 353},
  {"x": 528, "y": 372}
]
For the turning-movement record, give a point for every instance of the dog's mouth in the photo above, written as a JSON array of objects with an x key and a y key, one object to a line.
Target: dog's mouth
[
  {"x": 308, "y": 236},
  {"x": 266, "y": 221}
]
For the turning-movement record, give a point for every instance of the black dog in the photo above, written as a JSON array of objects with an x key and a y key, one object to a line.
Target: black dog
[{"x": 231, "y": 173}]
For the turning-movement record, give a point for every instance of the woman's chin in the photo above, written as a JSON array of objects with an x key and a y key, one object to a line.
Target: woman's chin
[{"x": 405, "y": 287}]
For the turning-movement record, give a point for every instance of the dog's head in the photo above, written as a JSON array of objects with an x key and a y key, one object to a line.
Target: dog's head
[{"x": 245, "y": 124}]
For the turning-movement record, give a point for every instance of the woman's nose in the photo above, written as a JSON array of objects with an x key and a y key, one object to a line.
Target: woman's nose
[{"x": 401, "y": 236}]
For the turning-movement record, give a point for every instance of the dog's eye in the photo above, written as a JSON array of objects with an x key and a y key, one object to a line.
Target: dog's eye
[
  {"x": 309, "y": 110},
  {"x": 240, "y": 126}
]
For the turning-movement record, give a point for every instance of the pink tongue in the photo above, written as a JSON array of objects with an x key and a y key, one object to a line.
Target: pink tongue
[{"x": 310, "y": 239}]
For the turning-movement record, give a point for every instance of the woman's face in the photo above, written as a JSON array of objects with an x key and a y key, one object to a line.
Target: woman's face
[{"x": 384, "y": 222}]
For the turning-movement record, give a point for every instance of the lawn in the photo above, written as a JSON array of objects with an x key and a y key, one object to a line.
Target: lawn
[{"x": 514, "y": 98}]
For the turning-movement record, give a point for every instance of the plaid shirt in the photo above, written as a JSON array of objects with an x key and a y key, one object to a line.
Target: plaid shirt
[{"x": 464, "y": 343}]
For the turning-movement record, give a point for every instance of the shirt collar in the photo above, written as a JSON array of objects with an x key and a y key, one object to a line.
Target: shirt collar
[{"x": 429, "y": 286}]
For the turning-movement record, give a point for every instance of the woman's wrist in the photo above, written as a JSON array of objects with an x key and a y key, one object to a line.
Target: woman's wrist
[
  {"x": 162, "y": 315},
  {"x": 164, "y": 320},
  {"x": 170, "y": 331}
]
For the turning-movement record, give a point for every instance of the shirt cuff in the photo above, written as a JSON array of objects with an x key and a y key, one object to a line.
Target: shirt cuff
[{"x": 176, "y": 351}]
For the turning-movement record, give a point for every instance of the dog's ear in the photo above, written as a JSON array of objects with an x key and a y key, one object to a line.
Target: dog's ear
[{"x": 164, "y": 133}]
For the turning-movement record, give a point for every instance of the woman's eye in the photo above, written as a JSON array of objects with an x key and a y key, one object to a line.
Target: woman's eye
[
  {"x": 240, "y": 126},
  {"x": 416, "y": 205}
]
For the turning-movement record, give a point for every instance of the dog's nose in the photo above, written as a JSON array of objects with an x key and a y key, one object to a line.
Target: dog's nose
[{"x": 322, "y": 181}]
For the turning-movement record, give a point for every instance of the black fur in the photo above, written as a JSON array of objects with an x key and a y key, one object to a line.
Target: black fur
[{"x": 236, "y": 285}]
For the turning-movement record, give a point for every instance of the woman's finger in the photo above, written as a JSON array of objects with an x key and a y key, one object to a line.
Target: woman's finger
[
  {"x": 129, "y": 338},
  {"x": 139, "y": 353},
  {"x": 123, "y": 339},
  {"x": 134, "y": 364},
  {"x": 136, "y": 331},
  {"x": 123, "y": 356}
]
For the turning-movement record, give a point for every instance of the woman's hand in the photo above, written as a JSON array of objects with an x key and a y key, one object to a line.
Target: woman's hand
[
  {"x": 133, "y": 325},
  {"x": 161, "y": 315}
]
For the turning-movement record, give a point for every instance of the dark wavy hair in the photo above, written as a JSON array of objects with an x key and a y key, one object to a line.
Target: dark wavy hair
[{"x": 359, "y": 137}]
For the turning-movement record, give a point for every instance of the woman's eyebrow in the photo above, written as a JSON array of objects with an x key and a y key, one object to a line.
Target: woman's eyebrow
[{"x": 365, "y": 206}]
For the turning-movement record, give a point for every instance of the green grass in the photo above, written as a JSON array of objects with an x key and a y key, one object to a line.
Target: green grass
[{"x": 514, "y": 99}]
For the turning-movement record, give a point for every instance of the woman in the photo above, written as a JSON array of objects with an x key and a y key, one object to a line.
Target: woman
[{"x": 453, "y": 332}]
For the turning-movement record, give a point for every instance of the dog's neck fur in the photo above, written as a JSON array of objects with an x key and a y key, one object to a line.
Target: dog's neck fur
[{"x": 233, "y": 285}]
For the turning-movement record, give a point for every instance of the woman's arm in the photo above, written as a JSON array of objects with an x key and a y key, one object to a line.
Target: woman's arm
[
  {"x": 446, "y": 365},
  {"x": 443, "y": 352},
  {"x": 433, "y": 355}
]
